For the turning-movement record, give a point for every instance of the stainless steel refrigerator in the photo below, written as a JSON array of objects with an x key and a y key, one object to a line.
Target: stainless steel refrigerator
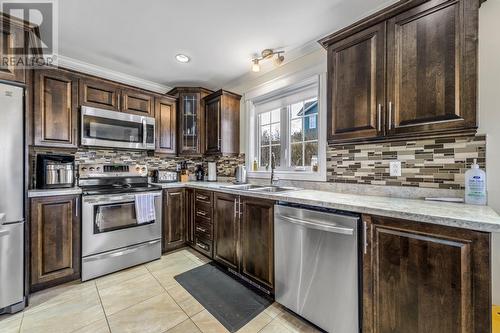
[{"x": 11, "y": 199}]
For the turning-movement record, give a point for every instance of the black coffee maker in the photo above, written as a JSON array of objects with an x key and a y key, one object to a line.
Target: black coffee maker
[{"x": 200, "y": 173}]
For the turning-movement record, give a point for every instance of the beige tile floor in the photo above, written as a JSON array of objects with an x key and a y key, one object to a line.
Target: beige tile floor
[{"x": 144, "y": 299}]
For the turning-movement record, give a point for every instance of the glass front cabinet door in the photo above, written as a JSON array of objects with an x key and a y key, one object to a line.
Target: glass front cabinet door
[{"x": 191, "y": 117}]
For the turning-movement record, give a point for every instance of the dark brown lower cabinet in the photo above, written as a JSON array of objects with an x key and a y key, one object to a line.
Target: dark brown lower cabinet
[
  {"x": 226, "y": 229},
  {"x": 189, "y": 204},
  {"x": 244, "y": 236},
  {"x": 420, "y": 278},
  {"x": 55, "y": 241},
  {"x": 174, "y": 218},
  {"x": 257, "y": 240}
]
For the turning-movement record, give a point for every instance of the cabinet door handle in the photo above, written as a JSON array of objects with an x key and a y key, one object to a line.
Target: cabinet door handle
[
  {"x": 379, "y": 118},
  {"x": 76, "y": 206},
  {"x": 365, "y": 238},
  {"x": 202, "y": 213},
  {"x": 240, "y": 206},
  {"x": 390, "y": 116},
  {"x": 201, "y": 197},
  {"x": 235, "y": 207}
]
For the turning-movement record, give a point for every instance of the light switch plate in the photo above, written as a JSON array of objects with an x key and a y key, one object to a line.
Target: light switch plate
[{"x": 395, "y": 168}]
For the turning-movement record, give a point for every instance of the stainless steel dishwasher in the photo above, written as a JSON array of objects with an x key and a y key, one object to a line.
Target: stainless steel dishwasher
[{"x": 316, "y": 266}]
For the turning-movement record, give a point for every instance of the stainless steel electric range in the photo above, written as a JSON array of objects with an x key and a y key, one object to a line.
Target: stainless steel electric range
[{"x": 112, "y": 236}]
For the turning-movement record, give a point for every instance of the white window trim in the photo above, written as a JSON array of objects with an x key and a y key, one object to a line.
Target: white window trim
[{"x": 251, "y": 130}]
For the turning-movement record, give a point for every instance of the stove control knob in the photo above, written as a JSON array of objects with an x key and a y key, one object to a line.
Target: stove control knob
[
  {"x": 84, "y": 169},
  {"x": 143, "y": 169},
  {"x": 91, "y": 168},
  {"x": 98, "y": 169},
  {"x": 138, "y": 169}
]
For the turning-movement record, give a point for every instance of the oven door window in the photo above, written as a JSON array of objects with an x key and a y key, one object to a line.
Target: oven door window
[
  {"x": 112, "y": 129},
  {"x": 115, "y": 216}
]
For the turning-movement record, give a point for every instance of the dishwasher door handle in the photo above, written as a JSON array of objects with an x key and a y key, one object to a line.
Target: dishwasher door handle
[{"x": 318, "y": 226}]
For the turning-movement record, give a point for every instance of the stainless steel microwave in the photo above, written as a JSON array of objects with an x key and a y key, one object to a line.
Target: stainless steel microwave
[{"x": 103, "y": 128}]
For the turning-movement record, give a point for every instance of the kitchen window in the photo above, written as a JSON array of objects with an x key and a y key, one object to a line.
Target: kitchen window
[
  {"x": 288, "y": 124},
  {"x": 297, "y": 121}
]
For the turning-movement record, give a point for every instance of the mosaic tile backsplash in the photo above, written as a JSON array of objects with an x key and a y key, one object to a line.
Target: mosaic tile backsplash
[
  {"x": 225, "y": 164},
  {"x": 432, "y": 164},
  {"x": 436, "y": 163}
]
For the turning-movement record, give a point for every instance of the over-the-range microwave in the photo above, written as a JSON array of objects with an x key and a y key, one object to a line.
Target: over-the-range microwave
[{"x": 104, "y": 128}]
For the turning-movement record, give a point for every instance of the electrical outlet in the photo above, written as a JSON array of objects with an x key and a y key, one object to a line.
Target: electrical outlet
[{"x": 395, "y": 168}]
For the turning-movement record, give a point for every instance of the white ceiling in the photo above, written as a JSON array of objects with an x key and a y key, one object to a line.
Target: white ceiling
[{"x": 141, "y": 38}]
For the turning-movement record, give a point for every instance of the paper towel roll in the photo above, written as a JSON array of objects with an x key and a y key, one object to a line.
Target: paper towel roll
[{"x": 212, "y": 172}]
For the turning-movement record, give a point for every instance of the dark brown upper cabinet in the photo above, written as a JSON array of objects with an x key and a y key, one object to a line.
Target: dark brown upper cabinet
[
  {"x": 356, "y": 96},
  {"x": 173, "y": 219},
  {"x": 55, "y": 241},
  {"x": 190, "y": 119},
  {"x": 55, "y": 108},
  {"x": 407, "y": 71},
  {"x": 166, "y": 125},
  {"x": 11, "y": 42},
  {"x": 137, "y": 102},
  {"x": 222, "y": 123},
  {"x": 99, "y": 94},
  {"x": 432, "y": 74},
  {"x": 420, "y": 277}
]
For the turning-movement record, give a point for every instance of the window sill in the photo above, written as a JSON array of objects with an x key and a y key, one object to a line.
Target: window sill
[{"x": 290, "y": 175}]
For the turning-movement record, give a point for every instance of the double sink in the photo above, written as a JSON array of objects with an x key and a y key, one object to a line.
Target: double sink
[{"x": 260, "y": 188}]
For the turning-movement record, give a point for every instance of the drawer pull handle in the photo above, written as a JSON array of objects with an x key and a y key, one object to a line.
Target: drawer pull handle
[
  {"x": 201, "y": 229},
  {"x": 203, "y": 246},
  {"x": 201, "y": 197},
  {"x": 202, "y": 213}
]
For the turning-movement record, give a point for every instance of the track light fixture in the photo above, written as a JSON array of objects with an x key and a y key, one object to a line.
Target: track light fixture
[{"x": 267, "y": 54}]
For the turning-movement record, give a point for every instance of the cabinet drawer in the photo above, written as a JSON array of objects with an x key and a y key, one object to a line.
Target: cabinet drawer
[
  {"x": 203, "y": 228},
  {"x": 203, "y": 196},
  {"x": 203, "y": 210},
  {"x": 203, "y": 245}
]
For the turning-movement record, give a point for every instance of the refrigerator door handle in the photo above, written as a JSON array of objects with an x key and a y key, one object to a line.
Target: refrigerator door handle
[
  {"x": 4, "y": 233},
  {"x": 2, "y": 218}
]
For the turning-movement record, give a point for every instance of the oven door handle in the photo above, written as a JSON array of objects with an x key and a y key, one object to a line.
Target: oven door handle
[
  {"x": 120, "y": 252},
  {"x": 111, "y": 199},
  {"x": 104, "y": 201}
]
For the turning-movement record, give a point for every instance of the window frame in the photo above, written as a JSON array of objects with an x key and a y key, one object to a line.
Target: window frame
[{"x": 253, "y": 129}]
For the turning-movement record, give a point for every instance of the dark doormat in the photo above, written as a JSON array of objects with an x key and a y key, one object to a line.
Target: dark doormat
[{"x": 232, "y": 303}]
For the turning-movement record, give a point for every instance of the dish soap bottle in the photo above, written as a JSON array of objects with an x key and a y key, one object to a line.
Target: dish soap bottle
[
  {"x": 475, "y": 185},
  {"x": 254, "y": 165}
]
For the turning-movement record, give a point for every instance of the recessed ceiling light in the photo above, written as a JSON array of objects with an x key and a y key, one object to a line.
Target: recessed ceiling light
[{"x": 182, "y": 58}]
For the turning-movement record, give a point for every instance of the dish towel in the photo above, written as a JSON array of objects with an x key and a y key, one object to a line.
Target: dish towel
[{"x": 145, "y": 208}]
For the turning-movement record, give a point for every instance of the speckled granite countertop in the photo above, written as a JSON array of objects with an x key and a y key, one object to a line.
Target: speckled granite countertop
[{"x": 481, "y": 218}]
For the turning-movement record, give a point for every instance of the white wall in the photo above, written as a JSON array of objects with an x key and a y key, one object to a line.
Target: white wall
[{"x": 489, "y": 114}]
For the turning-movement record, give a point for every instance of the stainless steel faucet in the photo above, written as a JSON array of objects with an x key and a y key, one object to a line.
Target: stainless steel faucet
[{"x": 273, "y": 166}]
